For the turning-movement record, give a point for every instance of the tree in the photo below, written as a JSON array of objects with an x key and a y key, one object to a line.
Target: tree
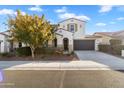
[{"x": 33, "y": 31}]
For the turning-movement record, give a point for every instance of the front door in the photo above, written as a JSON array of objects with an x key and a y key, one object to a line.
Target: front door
[{"x": 65, "y": 42}]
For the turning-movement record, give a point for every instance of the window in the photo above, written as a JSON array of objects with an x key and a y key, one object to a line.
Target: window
[
  {"x": 72, "y": 28},
  {"x": 20, "y": 44}
]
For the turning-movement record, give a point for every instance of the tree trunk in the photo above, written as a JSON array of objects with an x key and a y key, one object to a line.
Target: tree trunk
[{"x": 32, "y": 52}]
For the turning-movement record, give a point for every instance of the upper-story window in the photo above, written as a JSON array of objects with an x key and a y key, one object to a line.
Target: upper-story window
[{"x": 72, "y": 27}]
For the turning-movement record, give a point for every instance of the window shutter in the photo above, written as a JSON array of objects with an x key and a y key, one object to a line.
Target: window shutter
[
  {"x": 76, "y": 28},
  {"x": 68, "y": 27}
]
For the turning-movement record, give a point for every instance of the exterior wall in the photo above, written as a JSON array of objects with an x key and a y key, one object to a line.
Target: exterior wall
[
  {"x": 80, "y": 27},
  {"x": 123, "y": 42},
  {"x": 97, "y": 42},
  {"x": 50, "y": 43}
]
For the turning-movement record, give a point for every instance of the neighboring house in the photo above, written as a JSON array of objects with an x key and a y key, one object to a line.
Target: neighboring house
[
  {"x": 107, "y": 36},
  {"x": 4, "y": 44}
]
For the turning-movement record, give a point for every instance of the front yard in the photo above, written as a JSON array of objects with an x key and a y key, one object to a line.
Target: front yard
[
  {"x": 45, "y": 54},
  {"x": 63, "y": 57}
]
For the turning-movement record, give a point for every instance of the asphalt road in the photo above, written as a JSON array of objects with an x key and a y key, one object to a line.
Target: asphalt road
[{"x": 63, "y": 79}]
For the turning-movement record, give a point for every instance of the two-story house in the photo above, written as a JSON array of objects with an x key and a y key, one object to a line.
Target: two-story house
[{"x": 70, "y": 35}]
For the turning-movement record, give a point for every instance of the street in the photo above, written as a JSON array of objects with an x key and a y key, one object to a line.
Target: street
[{"x": 63, "y": 78}]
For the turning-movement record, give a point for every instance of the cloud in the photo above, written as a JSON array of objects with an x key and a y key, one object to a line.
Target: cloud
[
  {"x": 120, "y": 18},
  {"x": 62, "y": 10},
  {"x": 64, "y": 14},
  {"x": 36, "y": 8},
  {"x": 112, "y": 22},
  {"x": 108, "y": 8},
  {"x": 100, "y": 24},
  {"x": 23, "y": 13},
  {"x": 9, "y": 12},
  {"x": 105, "y": 8},
  {"x": 72, "y": 15}
]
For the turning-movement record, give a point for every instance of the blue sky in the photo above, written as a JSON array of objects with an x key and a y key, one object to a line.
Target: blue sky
[{"x": 99, "y": 18}]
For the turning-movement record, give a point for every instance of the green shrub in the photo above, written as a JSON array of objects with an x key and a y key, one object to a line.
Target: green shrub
[
  {"x": 104, "y": 48},
  {"x": 115, "y": 49},
  {"x": 26, "y": 51},
  {"x": 6, "y": 54},
  {"x": 115, "y": 42},
  {"x": 23, "y": 51},
  {"x": 47, "y": 50}
]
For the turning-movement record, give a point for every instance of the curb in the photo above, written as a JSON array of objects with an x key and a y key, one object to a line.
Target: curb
[{"x": 63, "y": 68}]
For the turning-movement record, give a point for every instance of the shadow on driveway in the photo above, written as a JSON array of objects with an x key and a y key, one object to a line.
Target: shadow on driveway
[{"x": 100, "y": 58}]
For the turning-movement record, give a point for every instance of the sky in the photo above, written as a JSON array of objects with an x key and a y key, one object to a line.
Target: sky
[{"x": 104, "y": 18}]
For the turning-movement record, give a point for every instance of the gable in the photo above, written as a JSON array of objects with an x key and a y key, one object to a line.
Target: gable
[{"x": 72, "y": 19}]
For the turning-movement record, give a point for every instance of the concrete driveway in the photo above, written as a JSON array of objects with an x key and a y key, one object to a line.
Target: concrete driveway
[{"x": 100, "y": 59}]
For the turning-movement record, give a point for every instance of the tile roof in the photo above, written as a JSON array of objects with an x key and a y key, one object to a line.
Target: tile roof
[
  {"x": 4, "y": 34},
  {"x": 117, "y": 34}
]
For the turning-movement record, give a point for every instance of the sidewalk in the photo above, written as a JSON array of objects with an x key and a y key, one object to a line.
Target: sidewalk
[{"x": 56, "y": 65}]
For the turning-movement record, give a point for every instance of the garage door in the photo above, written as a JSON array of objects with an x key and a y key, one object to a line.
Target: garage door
[{"x": 84, "y": 44}]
